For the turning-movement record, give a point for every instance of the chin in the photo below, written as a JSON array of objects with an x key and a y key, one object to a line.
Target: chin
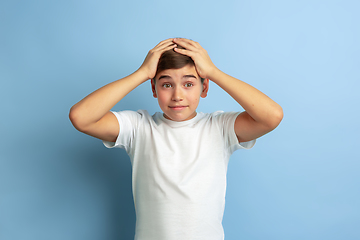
[
  {"x": 179, "y": 118},
  {"x": 173, "y": 118}
]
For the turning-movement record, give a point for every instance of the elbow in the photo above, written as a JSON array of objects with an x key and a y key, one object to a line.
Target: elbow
[
  {"x": 273, "y": 118},
  {"x": 75, "y": 119},
  {"x": 276, "y": 118}
]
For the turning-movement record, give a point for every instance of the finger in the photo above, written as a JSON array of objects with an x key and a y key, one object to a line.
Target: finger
[
  {"x": 157, "y": 52},
  {"x": 189, "y": 41},
  {"x": 169, "y": 47},
  {"x": 193, "y": 43},
  {"x": 162, "y": 48},
  {"x": 186, "y": 43},
  {"x": 164, "y": 42},
  {"x": 165, "y": 47},
  {"x": 184, "y": 52}
]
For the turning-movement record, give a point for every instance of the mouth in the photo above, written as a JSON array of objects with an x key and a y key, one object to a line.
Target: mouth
[{"x": 177, "y": 107}]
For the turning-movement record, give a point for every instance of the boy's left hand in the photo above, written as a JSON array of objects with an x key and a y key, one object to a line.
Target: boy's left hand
[{"x": 203, "y": 64}]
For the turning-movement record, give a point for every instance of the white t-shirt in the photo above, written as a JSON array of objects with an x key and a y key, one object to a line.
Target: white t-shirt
[{"x": 179, "y": 172}]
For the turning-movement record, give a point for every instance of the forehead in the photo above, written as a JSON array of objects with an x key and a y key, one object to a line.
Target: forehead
[{"x": 179, "y": 73}]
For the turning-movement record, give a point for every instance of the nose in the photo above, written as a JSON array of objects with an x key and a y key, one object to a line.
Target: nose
[{"x": 177, "y": 94}]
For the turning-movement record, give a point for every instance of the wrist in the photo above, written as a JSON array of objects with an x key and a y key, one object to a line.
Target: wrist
[
  {"x": 142, "y": 75},
  {"x": 214, "y": 74}
]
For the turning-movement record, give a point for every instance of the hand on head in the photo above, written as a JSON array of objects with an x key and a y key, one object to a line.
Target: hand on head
[
  {"x": 151, "y": 61},
  {"x": 203, "y": 64}
]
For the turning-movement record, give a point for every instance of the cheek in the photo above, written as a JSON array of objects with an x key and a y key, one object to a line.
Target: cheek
[
  {"x": 162, "y": 96},
  {"x": 196, "y": 100},
  {"x": 194, "y": 96}
]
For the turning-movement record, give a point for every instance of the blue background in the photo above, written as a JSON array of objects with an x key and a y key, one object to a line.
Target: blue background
[{"x": 299, "y": 182}]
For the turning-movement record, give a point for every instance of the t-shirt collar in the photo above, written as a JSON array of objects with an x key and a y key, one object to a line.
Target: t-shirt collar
[{"x": 175, "y": 124}]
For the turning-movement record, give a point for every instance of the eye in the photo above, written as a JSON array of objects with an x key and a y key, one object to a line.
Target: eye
[
  {"x": 188, "y": 84},
  {"x": 166, "y": 85}
]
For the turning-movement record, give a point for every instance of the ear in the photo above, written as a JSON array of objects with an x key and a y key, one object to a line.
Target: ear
[
  {"x": 153, "y": 88},
  {"x": 205, "y": 88}
]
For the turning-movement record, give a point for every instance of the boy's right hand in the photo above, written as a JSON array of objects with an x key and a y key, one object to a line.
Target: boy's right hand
[{"x": 151, "y": 61}]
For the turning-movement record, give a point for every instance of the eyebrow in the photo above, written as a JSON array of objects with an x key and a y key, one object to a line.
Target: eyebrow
[
  {"x": 189, "y": 76},
  {"x": 185, "y": 76},
  {"x": 163, "y": 76}
]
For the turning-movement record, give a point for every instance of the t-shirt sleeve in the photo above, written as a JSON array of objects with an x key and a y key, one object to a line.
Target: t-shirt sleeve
[
  {"x": 128, "y": 122},
  {"x": 226, "y": 121}
]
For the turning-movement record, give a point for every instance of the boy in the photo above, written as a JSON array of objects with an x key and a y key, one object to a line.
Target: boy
[{"x": 179, "y": 157}]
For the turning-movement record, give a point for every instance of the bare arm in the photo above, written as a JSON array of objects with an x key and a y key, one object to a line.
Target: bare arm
[
  {"x": 92, "y": 114},
  {"x": 261, "y": 115}
]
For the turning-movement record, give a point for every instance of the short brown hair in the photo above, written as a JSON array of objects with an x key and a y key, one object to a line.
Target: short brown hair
[{"x": 173, "y": 60}]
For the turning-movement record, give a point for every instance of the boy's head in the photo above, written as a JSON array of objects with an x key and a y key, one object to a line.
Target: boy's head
[
  {"x": 177, "y": 86},
  {"x": 173, "y": 60}
]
